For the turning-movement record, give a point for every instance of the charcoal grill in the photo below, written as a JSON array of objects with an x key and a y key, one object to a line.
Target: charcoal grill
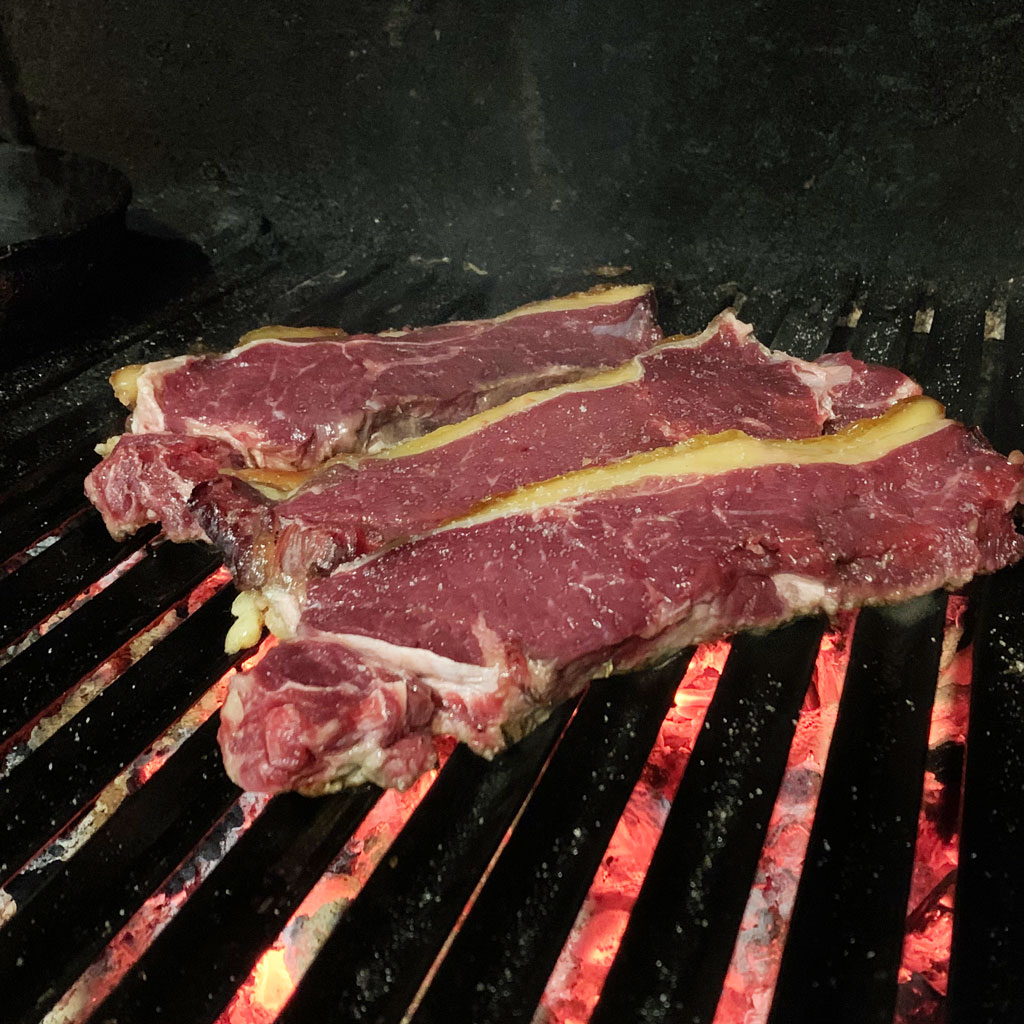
[{"x": 516, "y": 841}]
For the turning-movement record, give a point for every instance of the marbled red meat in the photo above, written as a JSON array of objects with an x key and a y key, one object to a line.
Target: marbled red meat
[
  {"x": 722, "y": 379},
  {"x": 476, "y": 630},
  {"x": 293, "y": 403},
  {"x": 868, "y": 390},
  {"x": 142, "y": 482}
]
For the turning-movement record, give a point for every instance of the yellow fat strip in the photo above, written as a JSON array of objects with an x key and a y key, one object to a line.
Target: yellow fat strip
[
  {"x": 599, "y": 295},
  {"x": 864, "y": 441},
  {"x": 125, "y": 383},
  {"x": 272, "y": 482},
  {"x": 276, "y": 332}
]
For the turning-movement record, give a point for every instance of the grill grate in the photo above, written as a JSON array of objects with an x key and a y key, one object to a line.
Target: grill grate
[
  {"x": 684, "y": 923},
  {"x": 842, "y": 954},
  {"x": 519, "y": 840}
]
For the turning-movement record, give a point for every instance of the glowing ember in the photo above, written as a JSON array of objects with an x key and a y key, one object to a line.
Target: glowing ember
[
  {"x": 924, "y": 970},
  {"x": 268, "y": 644},
  {"x": 575, "y": 984},
  {"x": 272, "y": 981},
  {"x": 271, "y": 985},
  {"x": 201, "y": 594},
  {"x": 830, "y": 669},
  {"x": 753, "y": 970}
]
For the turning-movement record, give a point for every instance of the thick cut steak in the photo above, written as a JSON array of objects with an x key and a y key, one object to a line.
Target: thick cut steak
[
  {"x": 721, "y": 379},
  {"x": 477, "y": 629},
  {"x": 290, "y": 398}
]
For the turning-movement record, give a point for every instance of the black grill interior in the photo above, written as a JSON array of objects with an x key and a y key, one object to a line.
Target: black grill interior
[{"x": 550, "y": 804}]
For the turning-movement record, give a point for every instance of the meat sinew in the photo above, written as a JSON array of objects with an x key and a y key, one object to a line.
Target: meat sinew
[
  {"x": 477, "y": 629},
  {"x": 290, "y": 398},
  {"x": 721, "y": 379}
]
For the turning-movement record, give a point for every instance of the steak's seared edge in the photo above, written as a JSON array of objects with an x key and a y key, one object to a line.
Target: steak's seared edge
[{"x": 475, "y": 630}]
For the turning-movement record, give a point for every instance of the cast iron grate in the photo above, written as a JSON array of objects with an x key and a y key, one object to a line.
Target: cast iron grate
[{"x": 123, "y": 797}]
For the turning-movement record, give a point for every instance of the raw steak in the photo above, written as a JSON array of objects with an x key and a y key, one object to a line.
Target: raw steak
[
  {"x": 149, "y": 478},
  {"x": 477, "y": 629},
  {"x": 290, "y": 398},
  {"x": 721, "y": 379}
]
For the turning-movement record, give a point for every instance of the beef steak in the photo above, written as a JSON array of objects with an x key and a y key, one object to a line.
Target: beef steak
[
  {"x": 477, "y": 629},
  {"x": 290, "y": 398}
]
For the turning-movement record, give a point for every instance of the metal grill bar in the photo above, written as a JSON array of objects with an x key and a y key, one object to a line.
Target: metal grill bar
[
  {"x": 542, "y": 876},
  {"x": 67, "y": 920},
  {"x": 846, "y": 936},
  {"x": 810, "y": 320},
  {"x": 950, "y": 365},
  {"x": 374, "y": 962},
  {"x": 988, "y": 933},
  {"x": 677, "y": 945},
  {"x": 988, "y": 926},
  {"x": 37, "y": 677},
  {"x": 884, "y": 324}
]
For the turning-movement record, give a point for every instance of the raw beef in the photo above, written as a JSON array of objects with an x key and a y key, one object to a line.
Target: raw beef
[
  {"x": 722, "y": 379},
  {"x": 477, "y": 629},
  {"x": 290, "y": 399},
  {"x": 868, "y": 390},
  {"x": 145, "y": 481},
  {"x": 291, "y": 404}
]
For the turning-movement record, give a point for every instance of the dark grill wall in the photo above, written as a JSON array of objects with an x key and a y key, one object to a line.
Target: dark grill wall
[{"x": 557, "y": 134}]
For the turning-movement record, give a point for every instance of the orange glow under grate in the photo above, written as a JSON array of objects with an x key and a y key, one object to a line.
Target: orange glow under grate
[
  {"x": 924, "y": 970},
  {"x": 273, "y": 979},
  {"x": 754, "y": 968},
  {"x": 576, "y": 982},
  {"x": 579, "y": 974}
]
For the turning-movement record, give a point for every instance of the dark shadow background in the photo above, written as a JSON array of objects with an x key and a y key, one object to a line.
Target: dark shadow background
[{"x": 562, "y": 135}]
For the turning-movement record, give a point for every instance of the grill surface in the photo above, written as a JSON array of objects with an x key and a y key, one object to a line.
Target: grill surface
[{"x": 522, "y": 837}]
